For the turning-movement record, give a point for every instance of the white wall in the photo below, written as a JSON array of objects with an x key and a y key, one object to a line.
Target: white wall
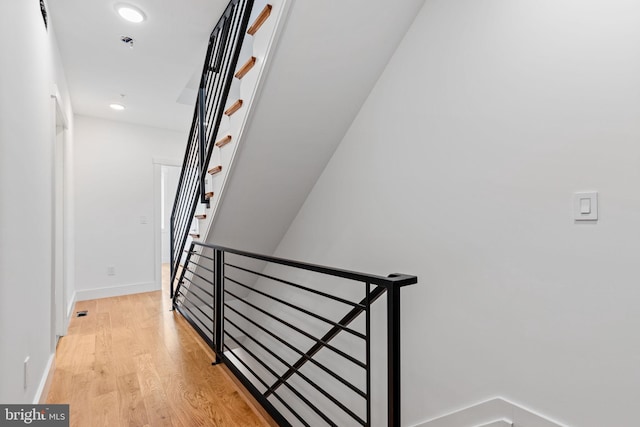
[
  {"x": 460, "y": 168},
  {"x": 29, "y": 67},
  {"x": 115, "y": 193}
]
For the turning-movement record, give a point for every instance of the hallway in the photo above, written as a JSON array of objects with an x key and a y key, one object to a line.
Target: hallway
[{"x": 132, "y": 362}]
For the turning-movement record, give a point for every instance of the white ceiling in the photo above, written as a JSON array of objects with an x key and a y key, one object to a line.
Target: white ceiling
[{"x": 168, "y": 52}]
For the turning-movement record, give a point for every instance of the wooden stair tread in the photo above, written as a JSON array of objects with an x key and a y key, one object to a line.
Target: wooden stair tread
[
  {"x": 201, "y": 216},
  {"x": 223, "y": 141},
  {"x": 215, "y": 170},
  {"x": 234, "y": 107},
  {"x": 260, "y": 20},
  {"x": 246, "y": 68},
  {"x": 208, "y": 195}
]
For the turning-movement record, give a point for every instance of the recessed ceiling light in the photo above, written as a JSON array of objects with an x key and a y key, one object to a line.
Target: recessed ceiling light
[
  {"x": 117, "y": 107},
  {"x": 130, "y": 13}
]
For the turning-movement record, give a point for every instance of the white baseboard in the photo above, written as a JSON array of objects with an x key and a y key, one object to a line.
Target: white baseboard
[
  {"x": 495, "y": 412},
  {"x": 45, "y": 382},
  {"x": 499, "y": 423},
  {"x": 114, "y": 291}
]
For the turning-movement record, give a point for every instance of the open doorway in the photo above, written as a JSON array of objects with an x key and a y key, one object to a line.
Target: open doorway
[
  {"x": 166, "y": 177},
  {"x": 169, "y": 176}
]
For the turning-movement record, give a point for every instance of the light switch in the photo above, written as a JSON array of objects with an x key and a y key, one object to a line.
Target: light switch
[{"x": 585, "y": 206}]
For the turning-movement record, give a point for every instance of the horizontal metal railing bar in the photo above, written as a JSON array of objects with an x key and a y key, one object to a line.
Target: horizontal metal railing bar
[
  {"x": 186, "y": 297},
  {"x": 202, "y": 266},
  {"x": 295, "y": 285},
  {"x": 392, "y": 280},
  {"x": 301, "y": 353},
  {"x": 300, "y": 374},
  {"x": 348, "y": 318},
  {"x": 200, "y": 332},
  {"x": 194, "y": 253},
  {"x": 292, "y": 389},
  {"x": 301, "y": 310},
  {"x": 204, "y": 328},
  {"x": 209, "y": 281},
  {"x": 300, "y": 331},
  {"x": 229, "y": 362},
  {"x": 195, "y": 317},
  {"x": 198, "y": 286}
]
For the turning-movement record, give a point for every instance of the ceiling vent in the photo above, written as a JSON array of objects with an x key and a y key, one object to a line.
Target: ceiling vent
[{"x": 127, "y": 40}]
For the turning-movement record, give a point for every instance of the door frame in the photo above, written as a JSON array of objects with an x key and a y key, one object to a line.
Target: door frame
[
  {"x": 157, "y": 177},
  {"x": 59, "y": 273}
]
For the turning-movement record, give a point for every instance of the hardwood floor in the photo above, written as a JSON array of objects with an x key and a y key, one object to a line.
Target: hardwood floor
[{"x": 132, "y": 362}]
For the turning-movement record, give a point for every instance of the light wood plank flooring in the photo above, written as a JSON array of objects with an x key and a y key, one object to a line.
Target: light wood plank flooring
[{"x": 133, "y": 362}]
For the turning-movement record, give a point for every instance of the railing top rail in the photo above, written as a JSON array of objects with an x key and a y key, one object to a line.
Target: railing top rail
[{"x": 393, "y": 280}]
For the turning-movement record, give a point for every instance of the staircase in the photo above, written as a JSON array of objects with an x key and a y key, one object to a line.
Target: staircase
[
  {"x": 299, "y": 336},
  {"x": 236, "y": 60}
]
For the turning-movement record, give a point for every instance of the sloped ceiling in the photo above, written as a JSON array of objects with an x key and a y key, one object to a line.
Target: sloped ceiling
[{"x": 328, "y": 59}]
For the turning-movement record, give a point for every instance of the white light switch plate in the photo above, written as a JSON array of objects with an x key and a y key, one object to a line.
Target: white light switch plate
[{"x": 585, "y": 206}]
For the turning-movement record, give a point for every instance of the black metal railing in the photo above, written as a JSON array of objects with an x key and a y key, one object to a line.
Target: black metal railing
[
  {"x": 221, "y": 59},
  {"x": 299, "y": 336}
]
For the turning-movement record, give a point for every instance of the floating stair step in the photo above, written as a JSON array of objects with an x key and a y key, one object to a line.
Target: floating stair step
[
  {"x": 194, "y": 235},
  {"x": 260, "y": 20},
  {"x": 208, "y": 195},
  {"x": 234, "y": 107},
  {"x": 223, "y": 141},
  {"x": 215, "y": 170},
  {"x": 246, "y": 68},
  {"x": 201, "y": 216}
]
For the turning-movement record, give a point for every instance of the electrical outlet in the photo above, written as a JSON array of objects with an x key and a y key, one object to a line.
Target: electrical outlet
[
  {"x": 26, "y": 372},
  {"x": 111, "y": 270}
]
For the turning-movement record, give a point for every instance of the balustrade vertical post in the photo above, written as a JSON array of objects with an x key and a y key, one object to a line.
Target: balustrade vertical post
[
  {"x": 393, "y": 355},
  {"x": 202, "y": 141},
  {"x": 172, "y": 255},
  {"x": 218, "y": 286}
]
